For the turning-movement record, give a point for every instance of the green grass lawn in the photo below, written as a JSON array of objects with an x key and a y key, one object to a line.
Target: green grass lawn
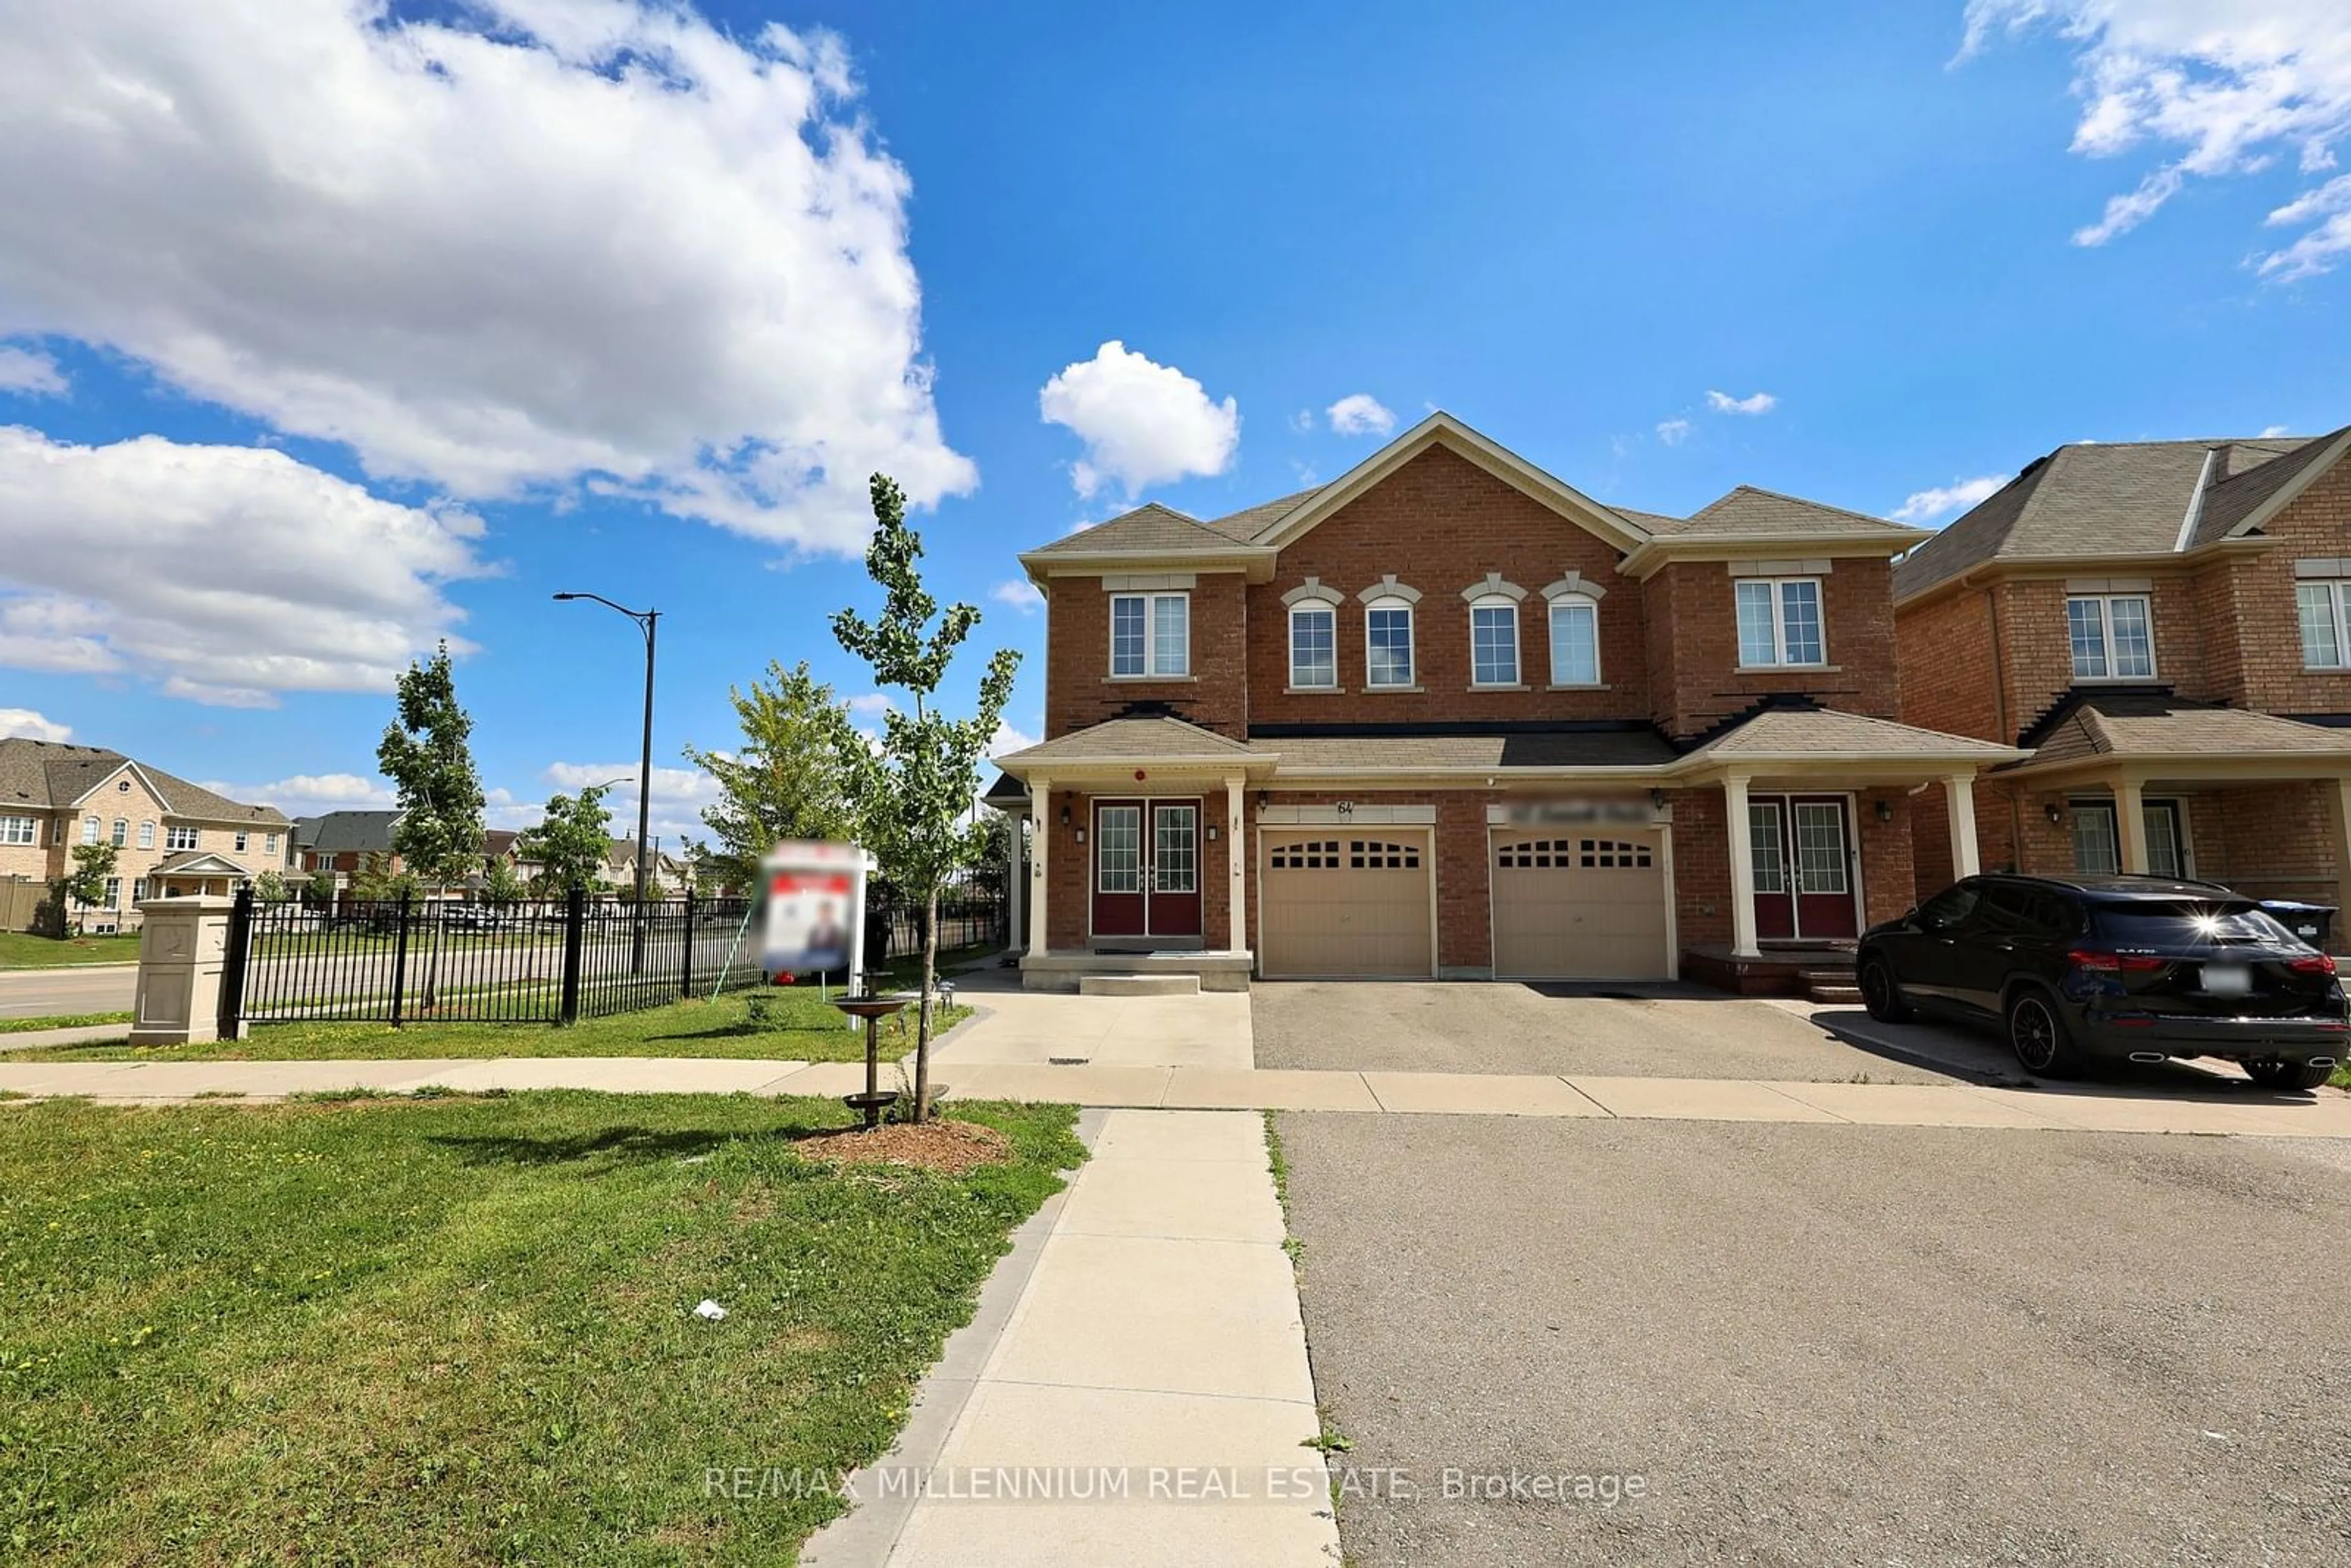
[
  {"x": 22, "y": 950},
  {"x": 60, "y": 1020},
  {"x": 459, "y": 1331},
  {"x": 800, "y": 1027}
]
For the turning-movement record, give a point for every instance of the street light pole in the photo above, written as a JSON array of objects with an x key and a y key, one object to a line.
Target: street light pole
[{"x": 647, "y": 621}]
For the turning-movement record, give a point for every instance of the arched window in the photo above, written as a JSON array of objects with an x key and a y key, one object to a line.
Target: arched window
[
  {"x": 1313, "y": 636},
  {"x": 1494, "y": 640}
]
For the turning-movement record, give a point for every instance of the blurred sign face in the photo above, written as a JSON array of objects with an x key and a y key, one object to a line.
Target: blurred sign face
[{"x": 812, "y": 903}]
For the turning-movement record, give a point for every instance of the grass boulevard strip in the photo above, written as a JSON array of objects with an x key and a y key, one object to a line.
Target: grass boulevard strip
[{"x": 457, "y": 1329}]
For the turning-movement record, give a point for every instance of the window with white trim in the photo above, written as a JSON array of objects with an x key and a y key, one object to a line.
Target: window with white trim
[
  {"x": 1494, "y": 642},
  {"x": 2110, "y": 637},
  {"x": 146, "y": 835},
  {"x": 1780, "y": 622},
  {"x": 1313, "y": 646},
  {"x": 179, "y": 838},
  {"x": 18, "y": 830},
  {"x": 1574, "y": 642},
  {"x": 1388, "y": 644},
  {"x": 89, "y": 829},
  {"x": 120, "y": 837},
  {"x": 113, "y": 893},
  {"x": 240, "y": 841},
  {"x": 2325, "y": 634},
  {"x": 1150, "y": 634},
  {"x": 270, "y": 843}
]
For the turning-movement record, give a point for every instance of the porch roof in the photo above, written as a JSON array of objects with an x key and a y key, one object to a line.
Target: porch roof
[
  {"x": 1161, "y": 742},
  {"x": 1807, "y": 740},
  {"x": 197, "y": 863},
  {"x": 2138, "y": 731},
  {"x": 1356, "y": 754}
]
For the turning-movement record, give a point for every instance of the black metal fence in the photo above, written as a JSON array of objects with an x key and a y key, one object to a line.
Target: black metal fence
[
  {"x": 972, "y": 912},
  {"x": 408, "y": 959}
]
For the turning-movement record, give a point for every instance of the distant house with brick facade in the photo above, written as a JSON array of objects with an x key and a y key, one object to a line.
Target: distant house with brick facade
[
  {"x": 2165, "y": 627},
  {"x": 170, "y": 837},
  {"x": 1445, "y": 715}
]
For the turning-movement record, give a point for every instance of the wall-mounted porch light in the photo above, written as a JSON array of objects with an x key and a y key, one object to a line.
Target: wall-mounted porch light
[{"x": 2056, "y": 814}]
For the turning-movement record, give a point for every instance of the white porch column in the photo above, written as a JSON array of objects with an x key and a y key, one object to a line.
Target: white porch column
[
  {"x": 1040, "y": 792},
  {"x": 1236, "y": 866},
  {"x": 1743, "y": 868},
  {"x": 2130, "y": 824},
  {"x": 1960, "y": 800},
  {"x": 1016, "y": 886}
]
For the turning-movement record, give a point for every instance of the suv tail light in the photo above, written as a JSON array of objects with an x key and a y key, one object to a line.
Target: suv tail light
[
  {"x": 2312, "y": 963},
  {"x": 2105, "y": 963}
]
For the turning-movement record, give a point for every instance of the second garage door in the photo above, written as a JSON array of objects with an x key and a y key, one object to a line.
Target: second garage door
[
  {"x": 1580, "y": 905},
  {"x": 1340, "y": 902}
]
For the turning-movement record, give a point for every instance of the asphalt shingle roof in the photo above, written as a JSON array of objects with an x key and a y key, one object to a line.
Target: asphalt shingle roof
[
  {"x": 51, "y": 776},
  {"x": 1587, "y": 749},
  {"x": 1748, "y": 511},
  {"x": 1781, "y": 732},
  {"x": 1151, "y": 526},
  {"x": 1138, "y": 739},
  {"x": 2163, "y": 726},
  {"x": 2119, "y": 499},
  {"x": 336, "y": 832}
]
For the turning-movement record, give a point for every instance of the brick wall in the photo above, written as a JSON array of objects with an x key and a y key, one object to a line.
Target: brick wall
[
  {"x": 1439, "y": 524},
  {"x": 1078, "y": 688},
  {"x": 1950, "y": 676},
  {"x": 1695, "y": 679},
  {"x": 1068, "y": 868},
  {"x": 2264, "y": 619},
  {"x": 1701, "y": 868},
  {"x": 1889, "y": 874}
]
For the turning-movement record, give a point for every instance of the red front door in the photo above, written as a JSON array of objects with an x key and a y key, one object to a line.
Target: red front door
[
  {"x": 1802, "y": 847},
  {"x": 1146, "y": 868}
]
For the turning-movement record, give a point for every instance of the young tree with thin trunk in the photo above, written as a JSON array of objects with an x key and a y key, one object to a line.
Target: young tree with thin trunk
[
  {"x": 784, "y": 780},
  {"x": 913, "y": 791},
  {"x": 424, "y": 753}
]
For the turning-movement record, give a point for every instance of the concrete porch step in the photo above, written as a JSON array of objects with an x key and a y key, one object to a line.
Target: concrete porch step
[
  {"x": 1138, "y": 985},
  {"x": 1830, "y": 986}
]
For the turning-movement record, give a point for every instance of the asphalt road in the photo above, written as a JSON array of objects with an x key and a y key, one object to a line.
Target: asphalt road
[
  {"x": 1828, "y": 1344},
  {"x": 1431, "y": 1027}
]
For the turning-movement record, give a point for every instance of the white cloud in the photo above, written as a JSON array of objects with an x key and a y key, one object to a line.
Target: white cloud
[
  {"x": 1019, "y": 593},
  {"x": 546, "y": 242},
  {"x": 679, "y": 796},
  {"x": 312, "y": 794},
  {"x": 1759, "y": 403},
  {"x": 25, "y": 371},
  {"x": 1143, "y": 423},
  {"x": 24, "y": 724},
  {"x": 2271, "y": 430},
  {"x": 1925, "y": 506},
  {"x": 871, "y": 704},
  {"x": 1302, "y": 421},
  {"x": 2230, "y": 84},
  {"x": 230, "y": 573},
  {"x": 1359, "y": 413},
  {"x": 1673, "y": 431}
]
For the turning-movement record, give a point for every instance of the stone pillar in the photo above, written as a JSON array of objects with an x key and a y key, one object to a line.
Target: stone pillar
[
  {"x": 1039, "y": 795},
  {"x": 1236, "y": 883},
  {"x": 2130, "y": 825},
  {"x": 1960, "y": 800},
  {"x": 182, "y": 944},
  {"x": 1742, "y": 869}
]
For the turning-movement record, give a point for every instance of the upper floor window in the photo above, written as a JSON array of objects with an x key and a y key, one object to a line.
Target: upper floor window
[
  {"x": 146, "y": 835},
  {"x": 240, "y": 841},
  {"x": 270, "y": 843},
  {"x": 1574, "y": 642},
  {"x": 1150, "y": 634},
  {"x": 89, "y": 829},
  {"x": 1388, "y": 644},
  {"x": 2109, "y": 636},
  {"x": 1780, "y": 622},
  {"x": 1313, "y": 646},
  {"x": 120, "y": 837},
  {"x": 177, "y": 837},
  {"x": 2326, "y": 636},
  {"x": 17, "y": 830},
  {"x": 1494, "y": 642}
]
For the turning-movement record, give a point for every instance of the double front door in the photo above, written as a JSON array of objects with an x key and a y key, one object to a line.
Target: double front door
[
  {"x": 1146, "y": 868},
  {"x": 1804, "y": 867}
]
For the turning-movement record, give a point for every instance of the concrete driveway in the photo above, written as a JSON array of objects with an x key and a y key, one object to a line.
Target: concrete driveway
[
  {"x": 1432, "y": 1027},
  {"x": 1826, "y": 1344}
]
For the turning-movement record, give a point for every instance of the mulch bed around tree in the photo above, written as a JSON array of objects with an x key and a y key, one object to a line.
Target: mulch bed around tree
[{"x": 941, "y": 1146}]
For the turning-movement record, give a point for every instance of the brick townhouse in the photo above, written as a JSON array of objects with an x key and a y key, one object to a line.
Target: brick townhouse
[
  {"x": 2161, "y": 626},
  {"x": 1446, "y": 715},
  {"x": 170, "y": 837}
]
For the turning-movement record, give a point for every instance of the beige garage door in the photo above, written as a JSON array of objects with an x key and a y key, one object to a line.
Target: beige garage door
[
  {"x": 1580, "y": 905},
  {"x": 1341, "y": 903}
]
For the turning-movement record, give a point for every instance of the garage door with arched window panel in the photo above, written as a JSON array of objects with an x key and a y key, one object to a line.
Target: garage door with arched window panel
[
  {"x": 1580, "y": 903},
  {"x": 1338, "y": 903}
]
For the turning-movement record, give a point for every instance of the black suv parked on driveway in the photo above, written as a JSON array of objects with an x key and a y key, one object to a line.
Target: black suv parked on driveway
[{"x": 2087, "y": 969}]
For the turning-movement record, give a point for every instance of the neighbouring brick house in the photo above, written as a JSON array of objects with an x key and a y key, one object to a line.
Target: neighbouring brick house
[
  {"x": 2162, "y": 626},
  {"x": 341, "y": 843},
  {"x": 170, "y": 837},
  {"x": 1445, "y": 715}
]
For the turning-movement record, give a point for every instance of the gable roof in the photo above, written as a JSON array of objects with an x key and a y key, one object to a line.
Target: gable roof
[
  {"x": 1138, "y": 739},
  {"x": 2154, "y": 723},
  {"x": 1149, "y": 528},
  {"x": 51, "y": 776},
  {"x": 1747, "y": 513},
  {"x": 2140, "y": 498},
  {"x": 336, "y": 832}
]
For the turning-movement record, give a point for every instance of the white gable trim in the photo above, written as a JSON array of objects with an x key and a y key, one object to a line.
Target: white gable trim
[
  {"x": 2260, "y": 516},
  {"x": 1441, "y": 428},
  {"x": 151, "y": 788}
]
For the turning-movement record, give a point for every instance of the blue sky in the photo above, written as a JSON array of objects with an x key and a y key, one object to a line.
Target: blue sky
[{"x": 322, "y": 335}]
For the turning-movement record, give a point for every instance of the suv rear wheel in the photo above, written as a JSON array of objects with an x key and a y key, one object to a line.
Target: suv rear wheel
[
  {"x": 2038, "y": 1035},
  {"x": 2288, "y": 1074},
  {"x": 1879, "y": 993}
]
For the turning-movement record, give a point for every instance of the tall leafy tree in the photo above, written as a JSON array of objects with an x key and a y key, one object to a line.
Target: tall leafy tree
[
  {"x": 784, "y": 782},
  {"x": 571, "y": 842},
  {"x": 912, "y": 793},
  {"x": 425, "y": 755}
]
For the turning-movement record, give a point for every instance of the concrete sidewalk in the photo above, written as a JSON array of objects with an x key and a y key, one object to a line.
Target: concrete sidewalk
[
  {"x": 1146, "y": 1398},
  {"x": 2225, "y": 1108}
]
